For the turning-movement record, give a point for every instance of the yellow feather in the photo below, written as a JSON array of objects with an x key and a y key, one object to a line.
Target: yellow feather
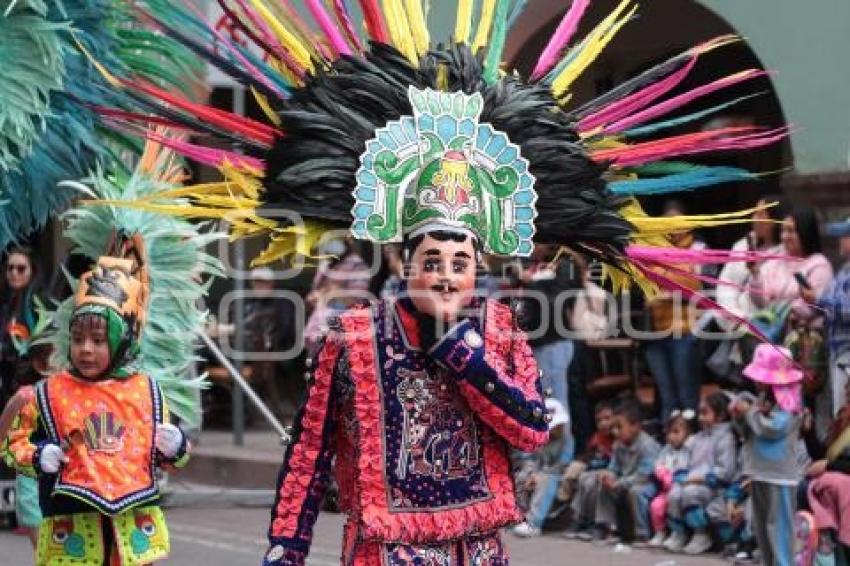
[
  {"x": 286, "y": 37},
  {"x": 110, "y": 78},
  {"x": 443, "y": 77},
  {"x": 463, "y": 22},
  {"x": 484, "y": 24},
  {"x": 263, "y": 103},
  {"x": 292, "y": 240},
  {"x": 418, "y": 26},
  {"x": 399, "y": 30},
  {"x": 593, "y": 46}
]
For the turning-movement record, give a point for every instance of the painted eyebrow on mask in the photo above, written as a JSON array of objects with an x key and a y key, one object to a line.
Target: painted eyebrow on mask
[{"x": 435, "y": 252}]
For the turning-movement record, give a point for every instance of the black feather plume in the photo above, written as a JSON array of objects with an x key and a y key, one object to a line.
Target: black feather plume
[{"x": 312, "y": 168}]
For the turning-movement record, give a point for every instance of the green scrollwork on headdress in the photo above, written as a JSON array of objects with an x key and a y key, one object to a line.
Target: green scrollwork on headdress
[{"x": 441, "y": 168}]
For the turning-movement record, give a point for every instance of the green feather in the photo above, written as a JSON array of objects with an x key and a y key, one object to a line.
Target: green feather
[
  {"x": 177, "y": 265},
  {"x": 497, "y": 42},
  {"x": 32, "y": 59}
]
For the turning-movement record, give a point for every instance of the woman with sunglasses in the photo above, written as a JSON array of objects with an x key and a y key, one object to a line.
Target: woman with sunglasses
[
  {"x": 17, "y": 315},
  {"x": 17, "y": 322}
]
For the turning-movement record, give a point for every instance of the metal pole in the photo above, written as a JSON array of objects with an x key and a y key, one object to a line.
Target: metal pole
[
  {"x": 244, "y": 387},
  {"x": 239, "y": 346},
  {"x": 239, "y": 318}
]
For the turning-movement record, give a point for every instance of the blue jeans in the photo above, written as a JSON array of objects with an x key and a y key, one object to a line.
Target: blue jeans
[
  {"x": 547, "y": 487},
  {"x": 554, "y": 359},
  {"x": 672, "y": 362}
]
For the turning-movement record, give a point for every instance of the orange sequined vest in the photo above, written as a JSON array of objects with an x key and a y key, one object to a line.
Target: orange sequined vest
[{"x": 106, "y": 429}]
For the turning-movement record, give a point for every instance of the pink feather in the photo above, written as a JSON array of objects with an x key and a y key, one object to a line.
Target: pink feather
[
  {"x": 745, "y": 137},
  {"x": 701, "y": 300},
  {"x": 559, "y": 40},
  {"x": 254, "y": 71},
  {"x": 329, "y": 28},
  {"x": 635, "y": 101},
  {"x": 639, "y": 99},
  {"x": 266, "y": 33},
  {"x": 206, "y": 155},
  {"x": 665, "y": 256},
  {"x": 344, "y": 17},
  {"x": 681, "y": 100}
]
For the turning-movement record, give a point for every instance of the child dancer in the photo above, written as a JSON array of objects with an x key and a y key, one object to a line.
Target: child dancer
[
  {"x": 769, "y": 428},
  {"x": 96, "y": 432},
  {"x": 711, "y": 468},
  {"x": 27, "y": 511},
  {"x": 671, "y": 468},
  {"x": 33, "y": 359}
]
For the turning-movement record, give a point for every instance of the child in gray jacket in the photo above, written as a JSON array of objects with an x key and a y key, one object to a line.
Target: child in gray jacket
[
  {"x": 710, "y": 469},
  {"x": 622, "y": 485}
]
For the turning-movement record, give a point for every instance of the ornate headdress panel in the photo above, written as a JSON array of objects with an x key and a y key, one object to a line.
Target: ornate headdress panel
[{"x": 442, "y": 168}]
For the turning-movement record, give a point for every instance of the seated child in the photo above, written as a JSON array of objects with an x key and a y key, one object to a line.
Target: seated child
[
  {"x": 95, "y": 433},
  {"x": 671, "y": 467},
  {"x": 550, "y": 463},
  {"x": 621, "y": 486},
  {"x": 577, "y": 485},
  {"x": 731, "y": 515},
  {"x": 769, "y": 428},
  {"x": 710, "y": 469}
]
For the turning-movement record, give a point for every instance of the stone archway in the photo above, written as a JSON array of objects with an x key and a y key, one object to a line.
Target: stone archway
[{"x": 664, "y": 28}]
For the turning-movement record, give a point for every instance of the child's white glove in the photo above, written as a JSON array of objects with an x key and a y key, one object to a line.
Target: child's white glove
[
  {"x": 169, "y": 439},
  {"x": 51, "y": 459}
]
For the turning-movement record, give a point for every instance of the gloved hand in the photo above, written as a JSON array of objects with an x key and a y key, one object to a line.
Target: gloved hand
[
  {"x": 51, "y": 459},
  {"x": 169, "y": 439}
]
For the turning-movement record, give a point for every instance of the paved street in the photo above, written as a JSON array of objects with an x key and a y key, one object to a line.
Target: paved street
[{"x": 235, "y": 536}]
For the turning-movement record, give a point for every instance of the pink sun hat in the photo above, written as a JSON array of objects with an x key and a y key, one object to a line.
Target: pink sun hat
[{"x": 774, "y": 366}]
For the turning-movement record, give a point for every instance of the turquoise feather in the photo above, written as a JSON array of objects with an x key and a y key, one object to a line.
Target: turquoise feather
[
  {"x": 695, "y": 179},
  {"x": 666, "y": 124},
  {"x": 46, "y": 134},
  {"x": 178, "y": 264}
]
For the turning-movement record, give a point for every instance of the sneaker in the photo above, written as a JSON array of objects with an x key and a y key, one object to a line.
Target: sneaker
[
  {"x": 676, "y": 542},
  {"x": 525, "y": 530},
  {"x": 699, "y": 543},
  {"x": 745, "y": 554},
  {"x": 575, "y": 532},
  {"x": 606, "y": 537},
  {"x": 641, "y": 542},
  {"x": 597, "y": 535},
  {"x": 658, "y": 540}
]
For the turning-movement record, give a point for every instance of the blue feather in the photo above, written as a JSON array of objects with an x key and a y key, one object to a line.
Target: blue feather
[
  {"x": 657, "y": 126},
  {"x": 688, "y": 181}
]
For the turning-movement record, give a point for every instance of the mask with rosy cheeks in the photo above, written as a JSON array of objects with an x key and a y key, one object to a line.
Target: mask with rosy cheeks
[{"x": 441, "y": 278}]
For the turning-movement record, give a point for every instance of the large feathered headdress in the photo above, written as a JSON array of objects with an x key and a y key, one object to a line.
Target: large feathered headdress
[
  {"x": 52, "y": 93},
  {"x": 386, "y": 132},
  {"x": 151, "y": 270}
]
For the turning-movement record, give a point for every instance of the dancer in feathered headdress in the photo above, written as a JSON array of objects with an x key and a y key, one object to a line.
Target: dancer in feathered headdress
[
  {"x": 442, "y": 150},
  {"x": 51, "y": 92},
  {"x": 97, "y": 429}
]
